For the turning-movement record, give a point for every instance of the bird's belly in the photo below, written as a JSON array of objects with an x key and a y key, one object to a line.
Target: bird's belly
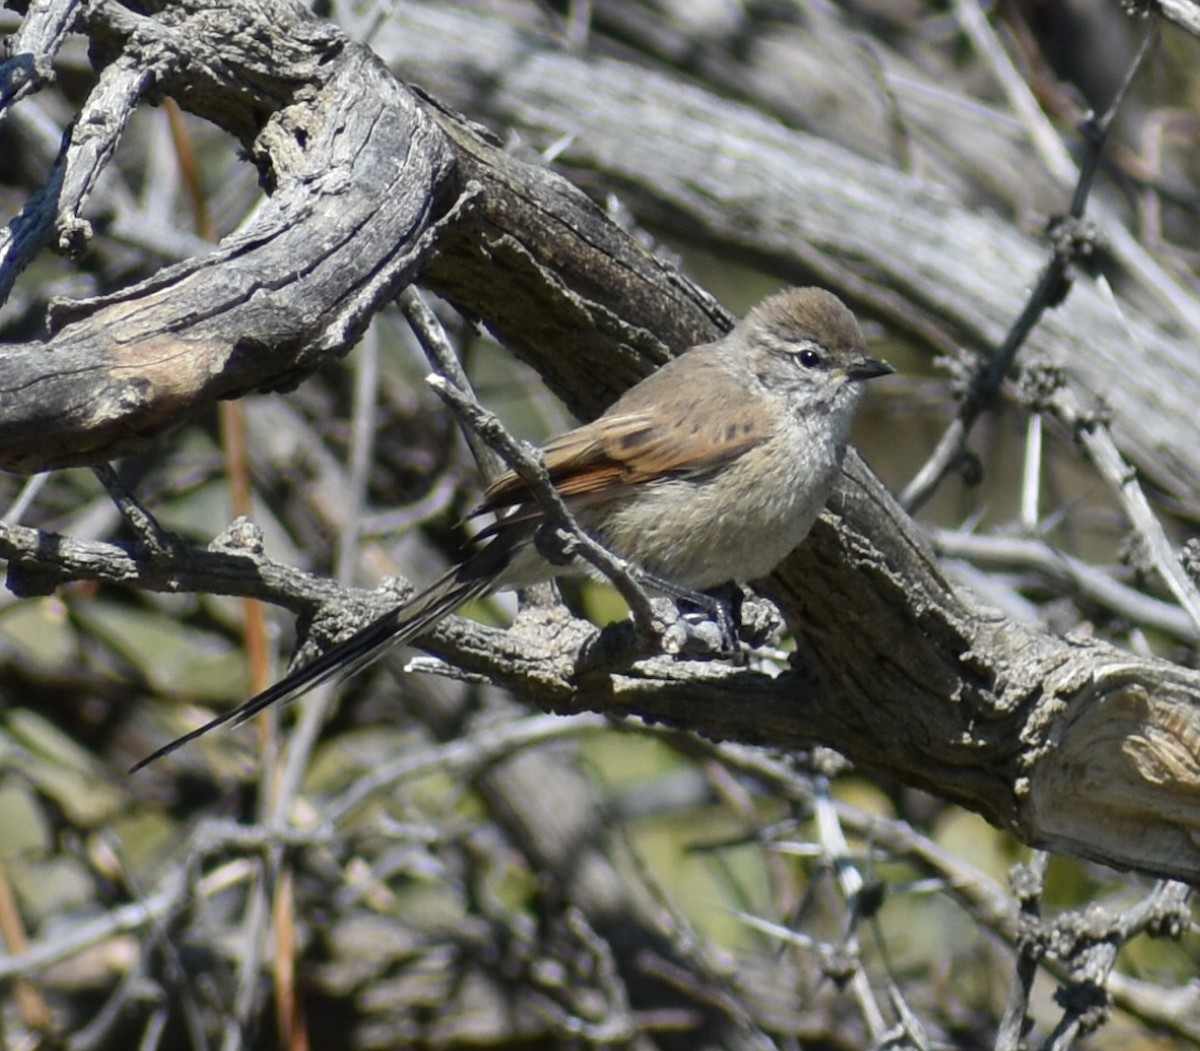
[{"x": 699, "y": 535}]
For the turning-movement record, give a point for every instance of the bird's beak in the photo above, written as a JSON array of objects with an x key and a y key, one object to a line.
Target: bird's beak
[{"x": 869, "y": 369}]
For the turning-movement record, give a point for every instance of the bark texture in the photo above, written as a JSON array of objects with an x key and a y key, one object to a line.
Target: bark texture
[
  {"x": 1069, "y": 743},
  {"x": 372, "y": 184}
]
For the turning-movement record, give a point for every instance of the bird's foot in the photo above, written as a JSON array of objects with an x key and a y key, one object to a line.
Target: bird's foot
[{"x": 714, "y": 620}]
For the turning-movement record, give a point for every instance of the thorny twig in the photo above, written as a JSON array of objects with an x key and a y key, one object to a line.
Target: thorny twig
[
  {"x": 1164, "y": 912},
  {"x": 1053, "y": 285},
  {"x": 449, "y": 383},
  {"x": 1097, "y": 440},
  {"x": 1027, "y": 884},
  {"x": 1070, "y": 240}
]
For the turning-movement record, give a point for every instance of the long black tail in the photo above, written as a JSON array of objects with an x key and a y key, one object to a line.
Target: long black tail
[{"x": 394, "y": 628}]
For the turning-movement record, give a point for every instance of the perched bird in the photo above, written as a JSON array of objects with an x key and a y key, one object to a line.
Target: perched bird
[{"x": 708, "y": 471}]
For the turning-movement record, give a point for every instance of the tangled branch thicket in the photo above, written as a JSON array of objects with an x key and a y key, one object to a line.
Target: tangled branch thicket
[{"x": 953, "y": 800}]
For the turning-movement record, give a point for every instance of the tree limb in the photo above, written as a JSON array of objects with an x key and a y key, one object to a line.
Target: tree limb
[{"x": 1070, "y": 743}]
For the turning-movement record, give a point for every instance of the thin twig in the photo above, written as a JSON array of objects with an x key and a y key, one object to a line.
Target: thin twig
[
  {"x": 1028, "y": 883},
  {"x": 1046, "y": 141},
  {"x": 527, "y": 463},
  {"x": 1031, "y": 475},
  {"x": 850, "y": 882},
  {"x": 459, "y": 756},
  {"x": 249, "y": 949},
  {"x": 1052, "y": 286},
  {"x": 25, "y": 498},
  {"x": 159, "y": 543},
  {"x": 489, "y": 442},
  {"x": 1096, "y": 438},
  {"x": 70, "y": 940},
  {"x": 986, "y": 901},
  {"x": 1090, "y": 582},
  {"x": 444, "y": 361},
  {"x": 1147, "y": 272},
  {"x": 1122, "y": 478}
]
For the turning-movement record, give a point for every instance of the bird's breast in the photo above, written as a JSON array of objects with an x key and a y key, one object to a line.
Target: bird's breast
[{"x": 734, "y": 522}]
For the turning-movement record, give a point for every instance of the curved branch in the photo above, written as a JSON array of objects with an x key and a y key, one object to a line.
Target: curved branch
[
  {"x": 360, "y": 177},
  {"x": 1070, "y": 743}
]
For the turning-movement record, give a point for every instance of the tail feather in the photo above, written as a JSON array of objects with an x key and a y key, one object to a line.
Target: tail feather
[{"x": 394, "y": 628}]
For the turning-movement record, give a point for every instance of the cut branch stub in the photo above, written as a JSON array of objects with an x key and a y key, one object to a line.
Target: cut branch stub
[{"x": 1123, "y": 777}]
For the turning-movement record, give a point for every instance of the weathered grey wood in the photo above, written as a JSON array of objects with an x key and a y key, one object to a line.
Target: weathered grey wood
[
  {"x": 1072, "y": 744},
  {"x": 716, "y": 170},
  {"x": 346, "y": 226}
]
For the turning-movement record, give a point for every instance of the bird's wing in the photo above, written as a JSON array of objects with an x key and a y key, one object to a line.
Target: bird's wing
[{"x": 623, "y": 449}]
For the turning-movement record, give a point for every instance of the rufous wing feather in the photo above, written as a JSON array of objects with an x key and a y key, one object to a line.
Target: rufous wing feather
[{"x": 623, "y": 449}]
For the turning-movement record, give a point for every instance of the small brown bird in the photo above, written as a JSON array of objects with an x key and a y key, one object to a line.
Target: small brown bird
[{"x": 710, "y": 470}]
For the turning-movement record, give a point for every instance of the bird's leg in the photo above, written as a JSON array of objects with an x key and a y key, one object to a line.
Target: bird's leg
[{"x": 730, "y": 597}]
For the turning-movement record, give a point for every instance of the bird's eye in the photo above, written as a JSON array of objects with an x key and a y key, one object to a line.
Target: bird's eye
[{"x": 810, "y": 359}]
